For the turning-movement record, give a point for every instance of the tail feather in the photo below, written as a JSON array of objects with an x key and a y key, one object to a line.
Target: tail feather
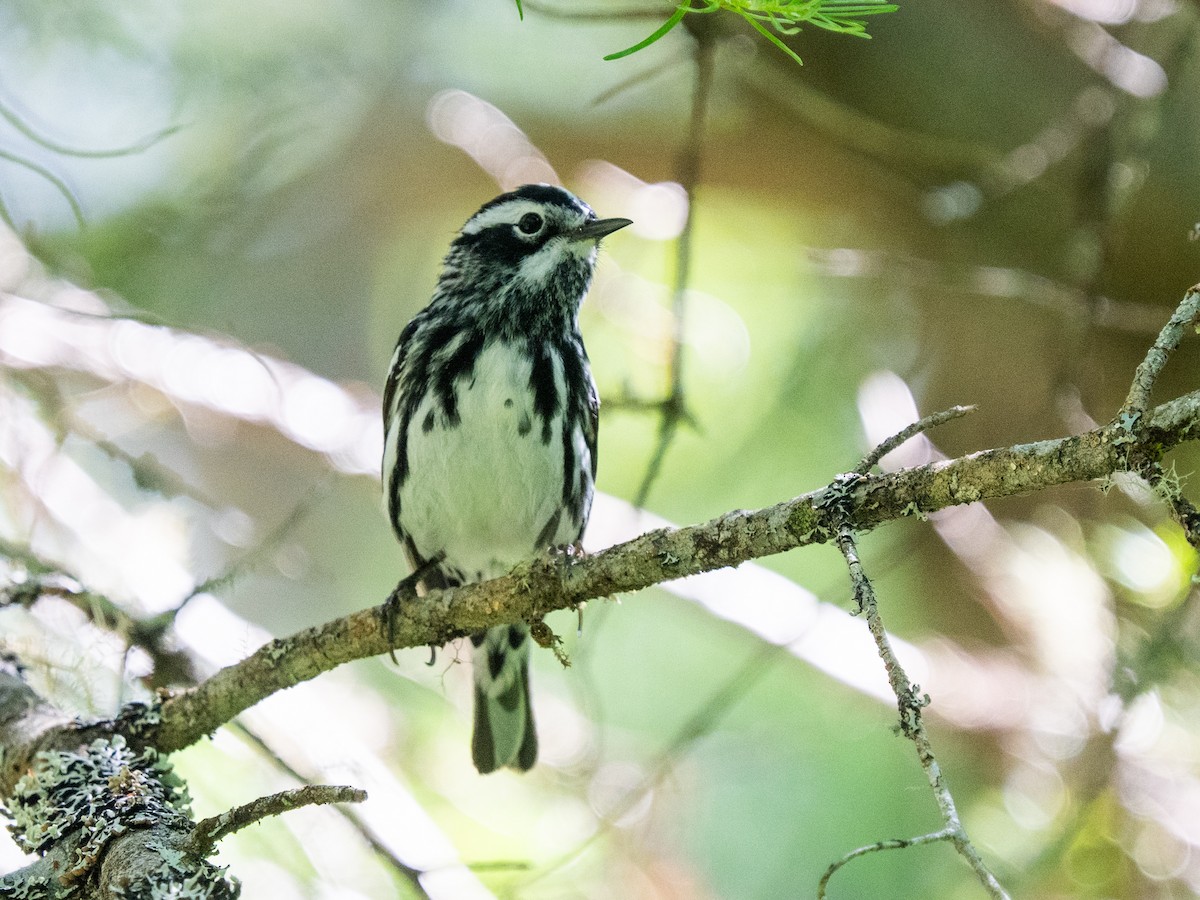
[
  {"x": 527, "y": 755},
  {"x": 504, "y": 733},
  {"x": 483, "y": 750}
]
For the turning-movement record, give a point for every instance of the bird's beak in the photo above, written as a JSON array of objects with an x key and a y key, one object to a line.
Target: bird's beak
[{"x": 594, "y": 230}]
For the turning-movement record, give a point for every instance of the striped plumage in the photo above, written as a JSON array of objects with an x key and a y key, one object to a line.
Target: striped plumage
[{"x": 490, "y": 415}]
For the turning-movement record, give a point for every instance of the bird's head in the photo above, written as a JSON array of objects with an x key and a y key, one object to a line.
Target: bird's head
[{"x": 538, "y": 241}]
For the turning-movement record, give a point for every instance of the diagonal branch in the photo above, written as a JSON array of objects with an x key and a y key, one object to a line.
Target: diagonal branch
[
  {"x": 1168, "y": 339},
  {"x": 918, "y": 427},
  {"x": 535, "y": 589},
  {"x": 208, "y": 832}
]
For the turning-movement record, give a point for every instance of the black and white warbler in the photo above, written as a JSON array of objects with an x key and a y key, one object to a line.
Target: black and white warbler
[{"x": 490, "y": 416}]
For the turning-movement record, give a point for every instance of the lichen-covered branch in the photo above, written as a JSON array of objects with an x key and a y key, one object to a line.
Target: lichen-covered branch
[
  {"x": 918, "y": 427},
  {"x": 109, "y": 819},
  {"x": 559, "y": 582},
  {"x": 1168, "y": 339},
  {"x": 888, "y": 844}
]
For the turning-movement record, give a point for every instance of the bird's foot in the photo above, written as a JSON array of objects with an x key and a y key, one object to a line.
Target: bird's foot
[
  {"x": 567, "y": 555},
  {"x": 407, "y": 589}
]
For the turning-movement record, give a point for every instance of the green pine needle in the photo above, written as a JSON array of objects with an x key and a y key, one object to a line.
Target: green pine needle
[
  {"x": 783, "y": 16},
  {"x": 762, "y": 29},
  {"x": 675, "y": 19}
]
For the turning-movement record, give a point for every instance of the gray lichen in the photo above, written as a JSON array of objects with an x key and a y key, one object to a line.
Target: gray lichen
[
  {"x": 104, "y": 790},
  {"x": 174, "y": 880},
  {"x": 37, "y": 887},
  {"x": 97, "y": 794}
]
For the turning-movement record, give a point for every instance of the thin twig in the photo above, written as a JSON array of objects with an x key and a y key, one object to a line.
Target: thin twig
[
  {"x": 148, "y": 473},
  {"x": 630, "y": 403},
  {"x": 1134, "y": 674},
  {"x": 1168, "y": 339},
  {"x": 1131, "y": 416},
  {"x": 910, "y": 703},
  {"x": 42, "y": 578},
  {"x": 674, "y": 407},
  {"x": 10, "y": 116},
  {"x": 1168, "y": 488},
  {"x": 57, "y": 183},
  {"x": 894, "y": 844},
  {"x": 637, "y": 79},
  {"x": 918, "y": 427},
  {"x": 6, "y": 214},
  {"x": 208, "y": 831}
]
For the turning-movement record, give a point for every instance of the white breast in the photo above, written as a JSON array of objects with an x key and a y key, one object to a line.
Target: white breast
[{"x": 483, "y": 491}]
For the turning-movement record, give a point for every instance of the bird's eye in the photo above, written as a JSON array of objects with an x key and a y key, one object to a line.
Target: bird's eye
[{"x": 530, "y": 223}]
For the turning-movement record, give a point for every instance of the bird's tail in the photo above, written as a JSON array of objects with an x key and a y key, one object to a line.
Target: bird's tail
[{"x": 504, "y": 734}]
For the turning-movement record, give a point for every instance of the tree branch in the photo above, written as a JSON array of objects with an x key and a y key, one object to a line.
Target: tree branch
[
  {"x": 1168, "y": 339},
  {"x": 918, "y": 427},
  {"x": 851, "y": 503},
  {"x": 105, "y": 817},
  {"x": 551, "y": 583},
  {"x": 891, "y": 844},
  {"x": 208, "y": 832},
  {"x": 910, "y": 702}
]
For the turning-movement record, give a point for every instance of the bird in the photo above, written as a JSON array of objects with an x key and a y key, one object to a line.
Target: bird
[{"x": 490, "y": 422}]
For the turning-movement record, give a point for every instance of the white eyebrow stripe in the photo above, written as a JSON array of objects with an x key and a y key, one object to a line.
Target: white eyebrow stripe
[{"x": 507, "y": 213}]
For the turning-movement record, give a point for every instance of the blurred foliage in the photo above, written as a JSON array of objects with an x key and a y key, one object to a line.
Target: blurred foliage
[{"x": 987, "y": 203}]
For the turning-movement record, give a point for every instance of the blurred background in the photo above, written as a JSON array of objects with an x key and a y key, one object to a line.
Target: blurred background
[{"x": 221, "y": 214}]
